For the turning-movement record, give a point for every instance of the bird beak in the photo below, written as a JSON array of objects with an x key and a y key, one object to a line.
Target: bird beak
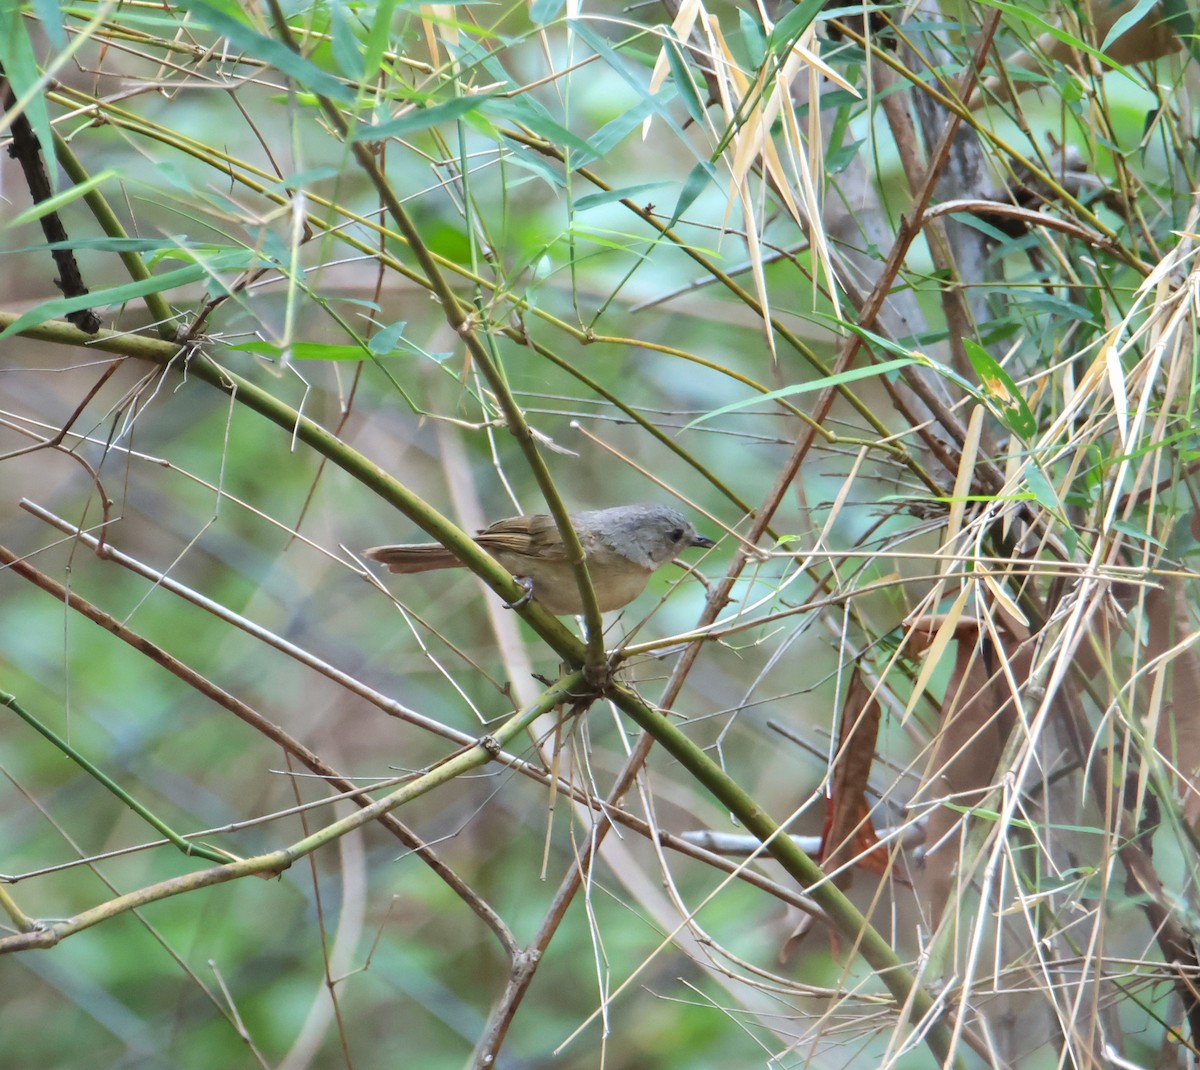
[{"x": 702, "y": 540}]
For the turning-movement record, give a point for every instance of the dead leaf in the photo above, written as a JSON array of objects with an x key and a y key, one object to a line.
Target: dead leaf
[
  {"x": 976, "y": 718},
  {"x": 848, "y": 838}
]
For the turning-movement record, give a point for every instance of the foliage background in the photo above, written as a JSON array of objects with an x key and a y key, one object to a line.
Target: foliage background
[{"x": 503, "y": 132}]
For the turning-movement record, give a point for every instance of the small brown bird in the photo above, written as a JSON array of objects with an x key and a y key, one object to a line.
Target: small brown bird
[{"x": 622, "y": 547}]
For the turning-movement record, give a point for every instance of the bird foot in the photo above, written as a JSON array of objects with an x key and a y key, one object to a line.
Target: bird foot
[{"x": 527, "y": 585}]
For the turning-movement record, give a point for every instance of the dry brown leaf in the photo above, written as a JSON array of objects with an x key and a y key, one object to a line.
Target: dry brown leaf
[
  {"x": 976, "y": 719},
  {"x": 1146, "y": 40},
  {"x": 1175, "y": 723},
  {"x": 848, "y": 837}
]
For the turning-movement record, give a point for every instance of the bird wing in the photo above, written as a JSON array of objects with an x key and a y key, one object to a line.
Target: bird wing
[{"x": 531, "y": 536}]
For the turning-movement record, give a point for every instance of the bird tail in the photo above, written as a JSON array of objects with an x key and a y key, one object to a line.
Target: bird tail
[{"x": 421, "y": 557}]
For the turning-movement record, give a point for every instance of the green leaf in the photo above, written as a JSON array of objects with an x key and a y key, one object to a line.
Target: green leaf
[
  {"x": 1001, "y": 391},
  {"x": 697, "y": 179},
  {"x": 1131, "y": 18},
  {"x": 385, "y": 340},
  {"x": 235, "y": 260},
  {"x": 752, "y": 35},
  {"x": 543, "y": 11},
  {"x": 1136, "y": 533},
  {"x": 617, "y": 130},
  {"x": 1025, "y": 15},
  {"x": 422, "y": 119},
  {"x": 197, "y": 253},
  {"x": 789, "y": 28},
  {"x": 843, "y": 156},
  {"x": 303, "y": 179},
  {"x": 344, "y": 44},
  {"x": 107, "y": 245},
  {"x": 50, "y": 18},
  {"x": 654, "y": 104},
  {"x": 378, "y": 37},
  {"x": 530, "y": 161},
  {"x": 911, "y": 355},
  {"x": 593, "y": 200},
  {"x": 1042, "y": 488},
  {"x": 531, "y": 114},
  {"x": 388, "y": 342},
  {"x": 682, "y": 78},
  {"x": 20, "y": 66},
  {"x": 305, "y": 350},
  {"x": 53, "y": 204},
  {"x": 850, "y": 376},
  {"x": 307, "y": 75},
  {"x": 1071, "y": 310}
]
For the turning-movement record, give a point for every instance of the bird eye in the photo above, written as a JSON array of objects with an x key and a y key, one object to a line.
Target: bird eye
[{"x": 677, "y": 535}]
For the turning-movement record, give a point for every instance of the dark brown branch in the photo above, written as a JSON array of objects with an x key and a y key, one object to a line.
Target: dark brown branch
[{"x": 24, "y": 148}]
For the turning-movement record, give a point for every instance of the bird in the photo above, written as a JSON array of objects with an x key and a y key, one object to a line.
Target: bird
[{"x": 622, "y": 546}]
